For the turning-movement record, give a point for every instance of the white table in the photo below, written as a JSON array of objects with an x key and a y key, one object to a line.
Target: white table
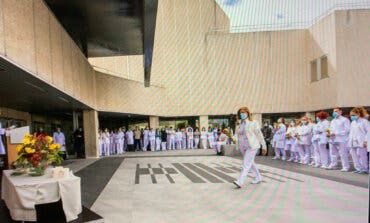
[{"x": 21, "y": 193}]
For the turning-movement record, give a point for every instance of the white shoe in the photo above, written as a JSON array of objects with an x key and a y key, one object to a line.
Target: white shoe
[
  {"x": 332, "y": 168},
  {"x": 283, "y": 159},
  {"x": 344, "y": 170},
  {"x": 256, "y": 181},
  {"x": 274, "y": 158},
  {"x": 238, "y": 186},
  {"x": 317, "y": 166}
]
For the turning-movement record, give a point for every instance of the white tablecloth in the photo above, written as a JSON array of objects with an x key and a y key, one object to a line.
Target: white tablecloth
[{"x": 21, "y": 193}]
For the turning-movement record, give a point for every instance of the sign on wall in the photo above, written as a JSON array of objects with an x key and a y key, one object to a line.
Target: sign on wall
[{"x": 17, "y": 135}]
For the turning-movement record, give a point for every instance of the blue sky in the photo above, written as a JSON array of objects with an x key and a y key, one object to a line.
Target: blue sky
[{"x": 266, "y": 14}]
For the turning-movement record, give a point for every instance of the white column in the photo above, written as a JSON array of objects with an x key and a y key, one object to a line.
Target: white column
[
  {"x": 154, "y": 122},
  {"x": 90, "y": 128},
  {"x": 203, "y": 121},
  {"x": 257, "y": 117}
]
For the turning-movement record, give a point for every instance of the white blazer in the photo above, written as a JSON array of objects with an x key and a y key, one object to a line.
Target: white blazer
[{"x": 254, "y": 134}]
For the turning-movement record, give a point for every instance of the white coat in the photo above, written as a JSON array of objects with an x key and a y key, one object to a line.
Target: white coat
[
  {"x": 254, "y": 135},
  {"x": 130, "y": 137},
  {"x": 340, "y": 126},
  {"x": 59, "y": 138}
]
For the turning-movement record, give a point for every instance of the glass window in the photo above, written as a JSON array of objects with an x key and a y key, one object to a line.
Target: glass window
[
  {"x": 313, "y": 71},
  {"x": 324, "y": 67}
]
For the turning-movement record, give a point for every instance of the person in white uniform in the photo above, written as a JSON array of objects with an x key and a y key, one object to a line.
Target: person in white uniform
[
  {"x": 339, "y": 131},
  {"x": 183, "y": 132},
  {"x": 158, "y": 139},
  {"x": 316, "y": 161},
  {"x": 151, "y": 135},
  {"x": 190, "y": 138},
  {"x": 146, "y": 138},
  {"x": 290, "y": 144},
  {"x": 249, "y": 139},
  {"x": 311, "y": 125},
  {"x": 100, "y": 142},
  {"x": 120, "y": 140},
  {"x": 322, "y": 127},
  {"x": 303, "y": 136},
  {"x": 222, "y": 140},
  {"x": 357, "y": 139},
  {"x": 130, "y": 140},
  {"x": 106, "y": 142},
  {"x": 210, "y": 137},
  {"x": 59, "y": 137},
  {"x": 196, "y": 138},
  {"x": 2, "y": 146},
  {"x": 172, "y": 135},
  {"x": 178, "y": 139},
  {"x": 112, "y": 144},
  {"x": 203, "y": 138},
  {"x": 279, "y": 140}
]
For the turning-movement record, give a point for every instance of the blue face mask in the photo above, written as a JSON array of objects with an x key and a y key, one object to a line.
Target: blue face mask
[
  {"x": 317, "y": 119},
  {"x": 354, "y": 117},
  {"x": 243, "y": 116},
  {"x": 304, "y": 122},
  {"x": 335, "y": 115}
]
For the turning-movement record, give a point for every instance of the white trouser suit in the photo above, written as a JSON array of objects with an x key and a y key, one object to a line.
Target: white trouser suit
[
  {"x": 203, "y": 138},
  {"x": 250, "y": 138},
  {"x": 158, "y": 142},
  {"x": 106, "y": 142},
  {"x": 304, "y": 143},
  {"x": 196, "y": 142},
  {"x": 356, "y": 139},
  {"x": 340, "y": 126},
  {"x": 119, "y": 146},
  {"x": 279, "y": 142},
  {"x": 321, "y": 129}
]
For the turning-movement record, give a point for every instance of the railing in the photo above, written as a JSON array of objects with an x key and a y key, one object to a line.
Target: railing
[{"x": 291, "y": 25}]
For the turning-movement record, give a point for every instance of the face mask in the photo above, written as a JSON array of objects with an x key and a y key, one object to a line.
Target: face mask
[
  {"x": 41, "y": 129},
  {"x": 304, "y": 122},
  {"x": 280, "y": 121},
  {"x": 265, "y": 125},
  {"x": 292, "y": 124},
  {"x": 354, "y": 117},
  {"x": 58, "y": 130},
  {"x": 317, "y": 119},
  {"x": 335, "y": 115},
  {"x": 243, "y": 116}
]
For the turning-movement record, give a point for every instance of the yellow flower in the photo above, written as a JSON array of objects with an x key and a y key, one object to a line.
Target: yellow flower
[
  {"x": 29, "y": 150},
  {"x": 26, "y": 141},
  {"x": 49, "y": 139},
  {"x": 55, "y": 146},
  {"x": 19, "y": 148},
  {"x": 28, "y": 136},
  {"x": 33, "y": 142}
]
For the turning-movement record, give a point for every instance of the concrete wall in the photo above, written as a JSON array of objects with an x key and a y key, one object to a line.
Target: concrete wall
[
  {"x": 320, "y": 41},
  {"x": 353, "y": 57},
  {"x": 31, "y": 37},
  {"x": 115, "y": 94}
]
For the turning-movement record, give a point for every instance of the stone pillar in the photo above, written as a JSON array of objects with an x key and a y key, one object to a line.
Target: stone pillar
[
  {"x": 257, "y": 117},
  {"x": 154, "y": 122},
  {"x": 203, "y": 121},
  {"x": 90, "y": 127}
]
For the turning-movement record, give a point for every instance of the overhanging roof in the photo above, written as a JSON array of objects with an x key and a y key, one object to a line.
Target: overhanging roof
[{"x": 104, "y": 28}]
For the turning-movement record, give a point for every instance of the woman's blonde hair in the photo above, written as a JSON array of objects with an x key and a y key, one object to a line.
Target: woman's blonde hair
[
  {"x": 361, "y": 111},
  {"x": 245, "y": 109}
]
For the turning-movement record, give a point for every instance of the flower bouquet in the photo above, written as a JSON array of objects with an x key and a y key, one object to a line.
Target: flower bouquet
[
  {"x": 327, "y": 129},
  {"x": 35, "y": 154}
]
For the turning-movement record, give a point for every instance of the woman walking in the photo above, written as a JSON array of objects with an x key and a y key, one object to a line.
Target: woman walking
[{"x": 249, "y": 139}]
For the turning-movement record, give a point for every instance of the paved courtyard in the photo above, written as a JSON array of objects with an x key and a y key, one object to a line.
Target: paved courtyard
[{"x": 195, "y": 186}]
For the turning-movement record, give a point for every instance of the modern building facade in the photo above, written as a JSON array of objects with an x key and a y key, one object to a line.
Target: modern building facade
[{"x": 199, "y": 68}]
